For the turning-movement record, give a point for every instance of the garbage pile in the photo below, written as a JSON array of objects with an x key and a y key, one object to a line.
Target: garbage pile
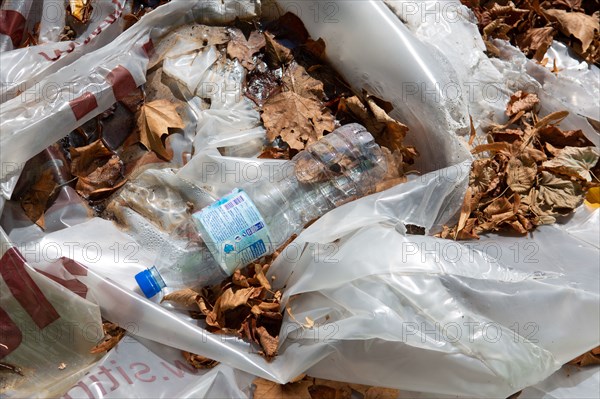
[{"x": 244, "y": 199}]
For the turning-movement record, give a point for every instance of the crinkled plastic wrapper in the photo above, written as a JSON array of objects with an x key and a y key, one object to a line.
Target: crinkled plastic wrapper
[{"x": 386, "y": 307}]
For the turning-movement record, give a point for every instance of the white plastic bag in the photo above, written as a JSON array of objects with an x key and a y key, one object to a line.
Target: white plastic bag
[{"x": 47, "y": 325}]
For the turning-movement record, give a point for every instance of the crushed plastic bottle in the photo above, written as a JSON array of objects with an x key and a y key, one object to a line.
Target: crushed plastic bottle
[{"x": 256, "y": 218}]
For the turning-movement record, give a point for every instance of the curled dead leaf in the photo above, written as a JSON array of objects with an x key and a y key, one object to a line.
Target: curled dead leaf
[
  {"x": 36, "y": 199},
  {"x": 113, "y": 334},
  {"x": 197, "y": 361},
  {"x": 267, "y": 342},
  {"x": 102, "y": 181},
  {"x": 521, "y": 101},
  {"x": 271, "y": 390},
  {"x": 86, "y": 159},
  {"x": 185, "y": 297},
  {"x": 154, "y": 121},
  {"x": 587, "y": 359},
  {"x": 536, "y": 41},
  {"x": 260, "y": 276},
  {"x": 563, "y": 138},
  {"x": 581, "y": 26}
]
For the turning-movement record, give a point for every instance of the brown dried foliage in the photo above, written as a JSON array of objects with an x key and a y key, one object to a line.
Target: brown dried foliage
[
  {"x": 316, "y": 388},
  {"x": 112, "y": 335},
  {"x": 528, "y": 174},
  {"x": 532, "y": 25},
  {"x": 243, "y": 305}
]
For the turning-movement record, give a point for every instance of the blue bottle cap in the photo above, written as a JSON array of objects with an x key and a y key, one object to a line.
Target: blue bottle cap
[{"x": 150, "y": 282}]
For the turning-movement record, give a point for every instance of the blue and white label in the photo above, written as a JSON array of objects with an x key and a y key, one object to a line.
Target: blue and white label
[{"x": 234, "y": 231}]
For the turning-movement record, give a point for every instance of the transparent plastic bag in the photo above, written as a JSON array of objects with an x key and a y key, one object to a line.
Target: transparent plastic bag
[
  {"x": 138, "y": 368},
  {"x": 47, "y": 330}
]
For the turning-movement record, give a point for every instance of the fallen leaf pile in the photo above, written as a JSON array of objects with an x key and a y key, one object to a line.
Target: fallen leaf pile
[
  {"x": 316, "y": 388},
  {"x": 587, "y": 359},
  {"x": 302, "y": 98},
  {"x": 530, "y": 173},
  {"x": 112, "y": 335},
  {"x": 154, "y": 121},
  {"x": 243, "y": 305},
  {"x": 532, "y": 25}
]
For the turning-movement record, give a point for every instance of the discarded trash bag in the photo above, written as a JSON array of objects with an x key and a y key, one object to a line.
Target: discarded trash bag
[{"x": 47, "y": 326}]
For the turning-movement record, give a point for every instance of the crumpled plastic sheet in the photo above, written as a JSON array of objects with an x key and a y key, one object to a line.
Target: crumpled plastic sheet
[
  {"x": 369, "y": 342},
  {"x": 139, "y": 368},
  {"x": 14, "y": 22},
  {"x": 487, "y": 83},
  {"x": 91, "y": 84},
  {"x": 37, "y": 311},
  {"x": 29, "y": 65}
]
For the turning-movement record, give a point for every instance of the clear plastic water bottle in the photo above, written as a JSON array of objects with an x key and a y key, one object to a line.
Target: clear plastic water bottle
[{"x": 257, "y": 218}]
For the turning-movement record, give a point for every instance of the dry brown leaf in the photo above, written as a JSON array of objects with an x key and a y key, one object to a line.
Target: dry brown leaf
[
  {"x": 465, "y": 210},
  {"x": 483, "y": 177},
  {"x": 521, "y": 101},
  {"x": 36, "y": 199},
  {"x": 581, "y": 26},
  {"x": 260, "y": 276},
  {"x": 496, "y": 29},
  {"x": 81, "y": 10},
  {"x": 113, "y": 334},
  {"x": 275, "y": 153},
  {"x": 298, "y": 120},
  {"x": 574, "y": 161},
  {"x": 315, "y": 47},
  {"x": 231, "y": 300},
  {"x": 296, "y": 79},
  {"x": 587, "y": 359},
  {"x": 499, "y": 206},
  {"x": 557, "y": 193},
  {"x": 154, "y": 121},
  {"x": 239, "y": 279},
  {"x": 199, "y": 362},
  {"x": 277, "y": 55},
  {"x": 102, "y": 181},
  {"x": 85, "y": 160},
  {"x": 493, "y": 147},
  {"x": 536, "y": 41},
  {"x": 563, "y": 138},
  {"x": 269, "y": 306},
  {"x": 268, "y": 343},
  {"x": 185, "y": 297},
  {"x": 520, "y": 174},
  {"x": 387, "y": 131},
  {"x": 244, "y": 50},
  {"x": 553, "y": 118},
  {"x": 271, "y": 390}
]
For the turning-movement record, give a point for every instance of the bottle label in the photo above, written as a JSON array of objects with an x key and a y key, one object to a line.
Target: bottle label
[{"x": 234, "y": 231}]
